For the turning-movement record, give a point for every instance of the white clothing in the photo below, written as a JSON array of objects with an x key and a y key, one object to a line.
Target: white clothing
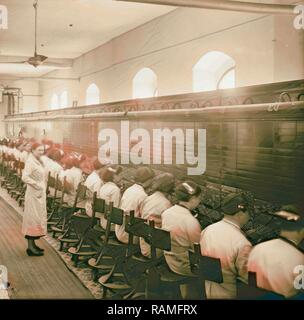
[
  {"x": 154, "y": 204},
  {"x": 110, "y": 192},
  {"x": 224, "y": 240},
  {"x": 185, "y": 230},
  {"x": 131, "y": 200},
  {"x": 274, "y": 262},
  {"x": 35, "y": 214},
  {"x": 93, "y": 184}
]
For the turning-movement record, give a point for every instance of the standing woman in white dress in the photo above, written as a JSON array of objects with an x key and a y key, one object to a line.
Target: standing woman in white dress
[{"x": 35, "y": 215}]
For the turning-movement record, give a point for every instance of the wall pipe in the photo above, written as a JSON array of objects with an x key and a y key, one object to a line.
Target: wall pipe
[
  {"x": 271, "y": 107},
  {"x": 241, "y": 6}
]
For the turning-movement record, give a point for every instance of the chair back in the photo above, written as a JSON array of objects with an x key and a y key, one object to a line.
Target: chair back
[
  {"x": 51, "y": 181},
  {"x": 207, "y": 268},
  {"x": 56, "y": 185},
  {"x": 136, "y": 226},
  {"x": 158, "y": 239},
  {"x": 251, "y": 291},
  {"x": 161, "y": 239},
  {"x": 48, "y": 183},
  {"x": 80, "y": 224},
  {"x": 61, "y": 186},
  {"x": 113, "y": 216},
  {"x": 82, "y": 192},
  {"x": 98, "y": 205}
]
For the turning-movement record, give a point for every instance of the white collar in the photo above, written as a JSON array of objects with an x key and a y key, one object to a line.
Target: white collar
[
  {"x": 110, "y": 182},
  {"x": 34, "y": 159},
  {"x": 138, "y": 186},
  {"x": 232, "y": 223}
]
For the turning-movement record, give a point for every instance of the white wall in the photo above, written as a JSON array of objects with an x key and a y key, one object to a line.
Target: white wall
[
  {"x": 265, "y": 49},
  {"x": 288, "y": 50},
  {"x": 31, "y": 95}
]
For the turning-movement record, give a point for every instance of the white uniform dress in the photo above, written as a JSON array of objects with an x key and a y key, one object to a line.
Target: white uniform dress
[
  {"x": 154, "y": 204},
  {"x": 274, "y": 262},
  {"x": 131, "y": 200},
  {"x": 185, "y": 230},
  {"x": 54, "y": 168},
  {"x": 93, "y": 184},
  {"x": 226, "y": 241},
  {"x": 73, "y": 177},
  {"x": 24, "y": 156},
  {"x": 46, "y": 162},
  {"x": 35, "y": 214},
  {"x": 110, "y": 192}
]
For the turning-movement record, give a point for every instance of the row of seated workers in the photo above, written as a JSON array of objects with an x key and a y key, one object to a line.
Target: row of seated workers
[{"x": 276, "y": 265}]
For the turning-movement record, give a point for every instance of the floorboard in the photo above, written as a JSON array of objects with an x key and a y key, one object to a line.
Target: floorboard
[{"x": 45, "y": 277}]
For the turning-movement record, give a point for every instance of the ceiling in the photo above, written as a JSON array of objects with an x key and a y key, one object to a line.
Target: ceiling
[{"x": 66, "y": 29}]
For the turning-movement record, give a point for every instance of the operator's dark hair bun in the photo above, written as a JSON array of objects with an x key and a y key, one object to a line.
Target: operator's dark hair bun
[
  {"x": 109, "y": 173},
  {"x": 186, "y": 190}
]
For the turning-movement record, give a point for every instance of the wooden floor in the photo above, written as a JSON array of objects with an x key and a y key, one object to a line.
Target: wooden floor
[{"x": 44, "y": 277}]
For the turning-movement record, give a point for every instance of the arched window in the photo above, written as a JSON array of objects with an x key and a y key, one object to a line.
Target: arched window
[
  {"x": 227, "y": 80},
  {"x": 64, "y": 99},
  {"x": 55, "y": 101},
  {"x": 145, "y": 84},
  {"x": 215, "y": 70},
  {"x": 92, "y": 95}
]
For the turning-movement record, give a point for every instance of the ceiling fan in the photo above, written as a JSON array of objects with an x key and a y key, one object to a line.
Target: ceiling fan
[{"x": 38, "y": 59}]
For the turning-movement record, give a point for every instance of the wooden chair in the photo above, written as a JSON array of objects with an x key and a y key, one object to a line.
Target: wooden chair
[
  {"x": 87, "y": 236},
  {"x": 6, "y": 171},
  {"x": 146, "y": 268},
  {"x": 126, "y": 276},
  {"x": 19, "y": 191},
  {"x": 58, "y": 205},
  {"x": 75, "y": 236},
  {"x": 10, "y": 182},
  {"x": 162, "y": 282},
  {"x": 66, "y": 213},
  {"x": 15, "y": 178},
  {"x": 98, "y": 206},
  {"x": 55, "y": 185},
  {"x": 251, "y": 291},
  {"x": 50, "y": 184},
  {"x": 207, "y": 269},
  {"x": 110, "y": 250}
]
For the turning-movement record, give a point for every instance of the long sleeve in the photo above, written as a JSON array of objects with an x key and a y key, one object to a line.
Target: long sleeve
[
  {"x": 116, "y": 198},
  {"x": 26, "y": 176},
  {"x": 97, "y": 186},
  {"x": 242, "y": 262},
  {"x": 194, "y": 230}
]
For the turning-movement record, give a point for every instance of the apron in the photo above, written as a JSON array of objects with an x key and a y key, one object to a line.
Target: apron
[{"x": 35, "y": 213}]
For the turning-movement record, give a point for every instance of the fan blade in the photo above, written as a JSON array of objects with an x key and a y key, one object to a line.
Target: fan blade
[
  {"x": 40, "y": 57},
  {"x": 57, "y": 65},
  {"x": 17, "y": 62}
]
